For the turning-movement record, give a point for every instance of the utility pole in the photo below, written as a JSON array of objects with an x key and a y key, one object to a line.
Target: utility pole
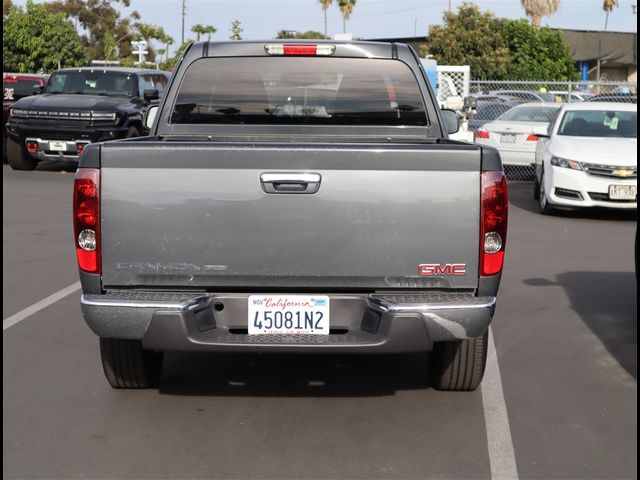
[
  {"x": 184, "y": 13},
  {"x": 449, "y": 6}
]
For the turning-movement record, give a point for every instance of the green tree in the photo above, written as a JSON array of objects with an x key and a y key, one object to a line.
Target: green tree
[
  {"x": 325, "y": 6},
  {"x": 236, "y": 30},
  {"x": 471, "y": 37},
  {"x": 210, "y": 30},
  {"x": 148, "y": 33},
  {"x": 101, "y": 20},
  {"x": 537, "y": 53},
  {"x": 171, "y": 63},
  {"x": 536, "y": 9},
  {"x": 308, "y": 35},
  {"x": 37, "y": 40},
  {"x": 200, "y": 29},
  {"x": 346, "y": 8}
]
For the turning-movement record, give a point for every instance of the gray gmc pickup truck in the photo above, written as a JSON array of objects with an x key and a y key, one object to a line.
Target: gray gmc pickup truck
[{"x": 292, "y": 197}]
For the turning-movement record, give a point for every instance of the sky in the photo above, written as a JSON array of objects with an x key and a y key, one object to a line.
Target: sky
[{"x": 262, "y": 19}]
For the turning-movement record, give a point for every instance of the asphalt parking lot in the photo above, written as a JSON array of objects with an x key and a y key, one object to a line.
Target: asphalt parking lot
[{"x": 565, "y": 336}]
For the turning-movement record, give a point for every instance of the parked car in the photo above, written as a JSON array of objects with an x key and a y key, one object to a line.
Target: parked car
[
  {"x": 525, "y": 95},
  {"x": 15, "y": 87},
  {"x": 245, "y": 224},
  {"x": 566, "y": 96},
  {"x": 515, "y": 135},
  {"x": 588, "y": 158},
  {"x": 80, "y": 106},
  {"x": 615, "y": 97},
  {"x": 487, "y": 111}
]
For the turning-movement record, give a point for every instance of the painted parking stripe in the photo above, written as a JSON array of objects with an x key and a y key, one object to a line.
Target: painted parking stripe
[
  {"x": 501, "y": 455},
  {"x": 36, "y": 307}
]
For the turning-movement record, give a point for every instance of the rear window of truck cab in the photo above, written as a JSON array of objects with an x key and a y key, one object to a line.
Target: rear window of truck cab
[{"x": 299, "y": 91}]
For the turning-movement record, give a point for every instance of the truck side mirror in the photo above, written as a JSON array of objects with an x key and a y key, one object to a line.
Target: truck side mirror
[
  {"x": 37, "y": 89},
  {"x": 451, "y": 122},
  {"x": 150, "y": 115},
  {"x": 151, "y": 94}
]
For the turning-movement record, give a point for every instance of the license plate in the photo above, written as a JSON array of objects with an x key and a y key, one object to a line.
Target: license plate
[
  {"x": 622, "y": 192},
  {"x": 56, "y": 146},
  {"x": 508, "y": 138},
  {"x": 288, "y": 314}
]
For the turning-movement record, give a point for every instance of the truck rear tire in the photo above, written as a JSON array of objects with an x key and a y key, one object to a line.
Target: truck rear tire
[
  {"x": 458, "y": 366},
  {"x": 127, "y": 365},
  {"x": 18, "y": 157}
]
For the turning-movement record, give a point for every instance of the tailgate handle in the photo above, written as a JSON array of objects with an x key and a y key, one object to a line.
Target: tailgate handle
[{"x": 290, "y": 182}]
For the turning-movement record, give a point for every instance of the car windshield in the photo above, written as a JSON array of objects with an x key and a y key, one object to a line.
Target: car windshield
[
  {"x": 599, "y": 123},
  {"x": 528, "y": 113},
  {"x": 93, "y": 82},
  {"x": 307, "y": 91}
]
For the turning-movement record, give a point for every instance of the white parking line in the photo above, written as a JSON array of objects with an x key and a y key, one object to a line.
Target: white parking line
[
  {"x": 501, "y": 455},
  {"x": 36, "y": 307}
]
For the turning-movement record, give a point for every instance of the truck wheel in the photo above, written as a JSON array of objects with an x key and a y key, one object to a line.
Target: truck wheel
[
  {"x": 132, "y": 132},
  {"x": 18, "y": 157},
  {"x": 536, "y": 188},
  {"x": 543, "y": 202},
  {"x": 127, "y": 365},
  {"x": 458, "y": 366}
]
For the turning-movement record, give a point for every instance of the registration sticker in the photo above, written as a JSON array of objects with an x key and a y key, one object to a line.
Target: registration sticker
[
  {"x": 57, "y": 146},
  {"x": 288, "y": 314},
  {"x": 622, "y": 192}
]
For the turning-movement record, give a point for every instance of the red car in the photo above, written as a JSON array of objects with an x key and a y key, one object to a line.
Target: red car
[{"x": 16, "y": 86}]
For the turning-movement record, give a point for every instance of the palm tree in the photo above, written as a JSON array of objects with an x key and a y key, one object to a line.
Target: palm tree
[
  {"x": 168, "y": 41},
  {"x": 198, "y": 29},
  {"x": 325, "y": 6},
  {"x": 536, "y": 9},
  {"x": 607, "y": 6},
  {"x": 346, "y": 7},
  {"x": 209, "y": 29}
]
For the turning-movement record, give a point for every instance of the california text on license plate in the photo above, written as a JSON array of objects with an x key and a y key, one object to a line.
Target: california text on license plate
[
  {"x": 288, "y": 314},
  {"x": 622, "y": 192},
  {"x": 58, "y": 146},
  {"x": 508, "y": 138}
]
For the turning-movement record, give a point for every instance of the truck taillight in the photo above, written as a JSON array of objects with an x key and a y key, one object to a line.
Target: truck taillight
[
  {"x": 86, "y": 218},
  {"x": 482, "y": 133},
  {"x": 493, "y": 223}
]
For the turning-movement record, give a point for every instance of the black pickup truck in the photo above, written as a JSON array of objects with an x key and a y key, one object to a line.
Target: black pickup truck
[
  {"x": 292, "y": 197},
  {"x": 80, "y": 106}
]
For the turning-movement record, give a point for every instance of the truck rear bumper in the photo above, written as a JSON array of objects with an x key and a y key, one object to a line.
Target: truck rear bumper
[{"x": 390, "y": 323}]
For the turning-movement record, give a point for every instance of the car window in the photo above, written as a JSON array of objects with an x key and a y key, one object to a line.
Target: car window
[
  {"x": 529, "y": 114},
  {"x": 92, "y": 82},
  {"x": 151, "y": 82},
  {"x": 597, "y": 123},
  {"x": 14, "y": 90},
  {"x": 307, "y": 91}
]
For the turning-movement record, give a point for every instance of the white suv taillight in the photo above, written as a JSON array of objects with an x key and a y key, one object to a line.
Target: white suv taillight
[
  {"x": 493, "y": 223},
  {"x": 86, "y": 218}
]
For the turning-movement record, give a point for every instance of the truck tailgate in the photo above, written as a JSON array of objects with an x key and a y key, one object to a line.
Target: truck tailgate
[{"x": 196, "y": 215}]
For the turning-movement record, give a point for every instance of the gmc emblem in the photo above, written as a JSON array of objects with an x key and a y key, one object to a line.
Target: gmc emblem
[{"x": 435, "y": 269}]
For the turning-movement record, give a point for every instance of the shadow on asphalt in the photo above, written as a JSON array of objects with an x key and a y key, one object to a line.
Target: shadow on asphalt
[
  {"x": 57, "y": 166},
  {"x": 281, "y": 375},
  {"x": 607, "y": 303},
  {"x": 521, "y": 196}
]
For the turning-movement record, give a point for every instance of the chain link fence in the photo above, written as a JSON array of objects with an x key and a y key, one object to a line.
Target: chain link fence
[{"x": 509, "y": 114}]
